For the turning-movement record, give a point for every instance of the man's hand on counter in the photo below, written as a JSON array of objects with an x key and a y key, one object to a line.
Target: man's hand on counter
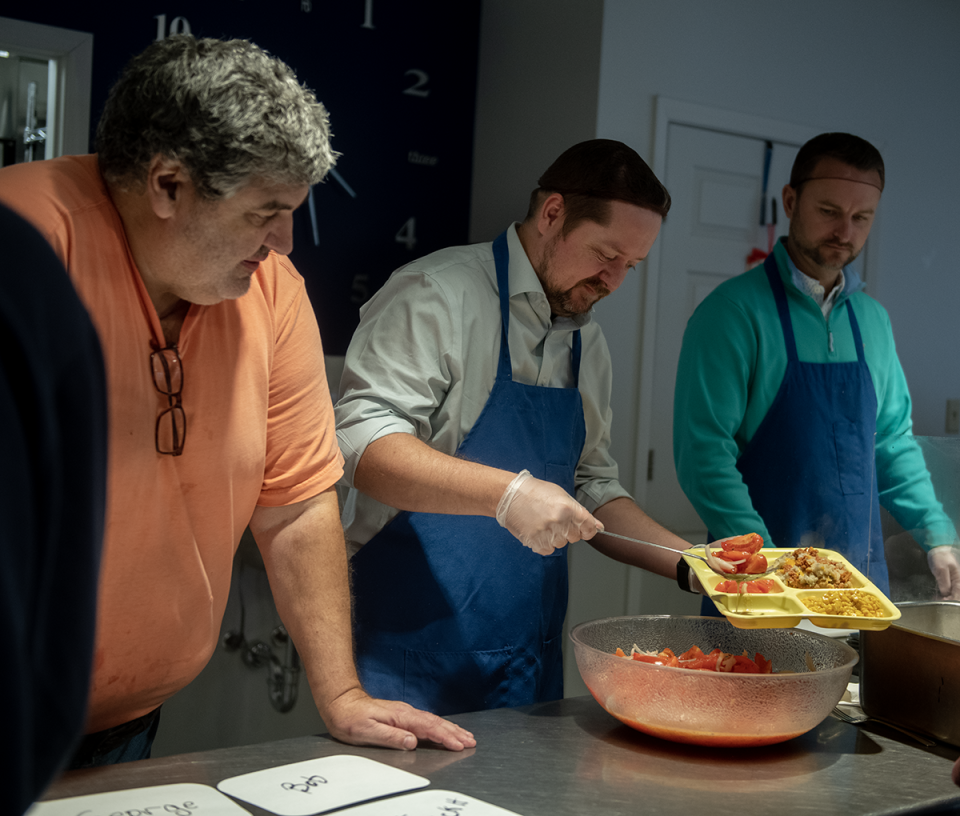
[{"x": 359, "y": 719}]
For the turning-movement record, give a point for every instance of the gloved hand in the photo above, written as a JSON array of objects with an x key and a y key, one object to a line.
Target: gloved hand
[
  {"x": 945, "y": 567},
  {"x": 542, "y": 515}
]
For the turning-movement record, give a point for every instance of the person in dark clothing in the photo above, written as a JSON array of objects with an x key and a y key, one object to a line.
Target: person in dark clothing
[{"x": 53, "y": 417}]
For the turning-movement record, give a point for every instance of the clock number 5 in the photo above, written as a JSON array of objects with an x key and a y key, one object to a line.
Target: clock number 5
[{"x": 408, "y": 234}]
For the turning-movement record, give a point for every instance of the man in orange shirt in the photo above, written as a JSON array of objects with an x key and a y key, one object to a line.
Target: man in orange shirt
[{"x": 175, "y": 235}]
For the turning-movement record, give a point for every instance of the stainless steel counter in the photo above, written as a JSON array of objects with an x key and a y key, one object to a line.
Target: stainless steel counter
[{"x": 570, "y": 758}]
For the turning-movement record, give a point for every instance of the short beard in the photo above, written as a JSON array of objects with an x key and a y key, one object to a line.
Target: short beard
[
  {"x": 813, "y": 253},
  {"x": 562, "y": 301}
]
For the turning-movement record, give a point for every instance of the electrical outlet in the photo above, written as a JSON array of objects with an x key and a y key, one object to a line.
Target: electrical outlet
[{"x": 953, "y": 416}]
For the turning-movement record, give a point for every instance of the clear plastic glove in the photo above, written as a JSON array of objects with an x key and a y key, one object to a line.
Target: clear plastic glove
[
  {"x": 542, "y": 515},
  {"x": 945, "y": 566}
]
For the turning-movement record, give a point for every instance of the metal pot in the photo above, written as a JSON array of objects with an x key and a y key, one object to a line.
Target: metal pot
[{"x": 910, "y": 672}]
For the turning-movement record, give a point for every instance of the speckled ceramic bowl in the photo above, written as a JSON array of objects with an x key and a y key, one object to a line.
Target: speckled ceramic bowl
[{"x": 706, "y": 707}]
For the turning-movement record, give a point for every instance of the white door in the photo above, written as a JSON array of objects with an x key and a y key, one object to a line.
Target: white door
[{"x": 716, "y": 182}]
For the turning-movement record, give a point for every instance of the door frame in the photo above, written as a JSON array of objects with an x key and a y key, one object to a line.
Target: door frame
[
  {"x": 73, "y": 51},
  {"x": 668, "y": 112}
]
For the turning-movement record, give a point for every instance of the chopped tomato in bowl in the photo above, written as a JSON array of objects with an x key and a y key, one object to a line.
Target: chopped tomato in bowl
[
  {"x": 694, "y": 658},
  {"x": 720, "y": 691}
]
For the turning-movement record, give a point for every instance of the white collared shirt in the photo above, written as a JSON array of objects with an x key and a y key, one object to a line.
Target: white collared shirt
[{"x": 815, "y": 289}]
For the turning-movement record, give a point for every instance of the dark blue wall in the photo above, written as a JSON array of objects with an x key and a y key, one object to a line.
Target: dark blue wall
[{"x": 399, "y": 81}]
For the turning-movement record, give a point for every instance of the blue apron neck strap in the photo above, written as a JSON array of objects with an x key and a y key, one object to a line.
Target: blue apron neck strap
[
  {"x": 575, "y": 359},
  {"x": 855, "y": 329},
  {"x": 780, "y": 297},
  {"x": 501, "y": 258}
]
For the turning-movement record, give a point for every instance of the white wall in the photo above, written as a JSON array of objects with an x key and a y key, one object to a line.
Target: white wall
[
  {"x": 888, "y": 71},
  {"x": 537, "y": 88}
]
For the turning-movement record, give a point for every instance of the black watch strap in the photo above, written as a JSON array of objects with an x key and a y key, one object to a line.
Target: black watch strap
[{"x": 683, "y": 576}]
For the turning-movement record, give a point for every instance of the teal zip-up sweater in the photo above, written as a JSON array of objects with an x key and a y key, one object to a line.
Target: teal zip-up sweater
[{"x": 731, "y": 366}]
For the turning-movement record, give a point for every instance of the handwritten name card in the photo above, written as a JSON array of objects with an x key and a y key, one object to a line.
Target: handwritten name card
[
  {"x": 319, "y": 785},
  {"x": 185, "y": 799},
  {"x": 428, "y": 803}
]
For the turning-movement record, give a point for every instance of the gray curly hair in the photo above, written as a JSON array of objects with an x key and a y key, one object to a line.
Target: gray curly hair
[{"x": 226, "y": 109}]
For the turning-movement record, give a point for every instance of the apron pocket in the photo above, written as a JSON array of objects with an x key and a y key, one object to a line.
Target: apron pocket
[
  {"x": 852, "y": 452},
  {"x": 456, "y": 682}
]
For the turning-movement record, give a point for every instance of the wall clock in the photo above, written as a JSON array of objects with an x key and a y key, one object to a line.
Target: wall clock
[{"x": 399, "y": 81}]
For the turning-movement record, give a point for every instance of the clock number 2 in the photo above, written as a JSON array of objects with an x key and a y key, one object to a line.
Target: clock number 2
[
  {"x": 419, "y": 86},
  {"x": 408, "y": 234}
]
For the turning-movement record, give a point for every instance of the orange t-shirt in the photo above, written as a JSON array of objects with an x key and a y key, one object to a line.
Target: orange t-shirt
[{"x": 260, "y": 430}]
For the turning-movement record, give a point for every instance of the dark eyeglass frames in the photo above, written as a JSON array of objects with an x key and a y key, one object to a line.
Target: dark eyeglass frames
[{"x": 171, "y": 429}]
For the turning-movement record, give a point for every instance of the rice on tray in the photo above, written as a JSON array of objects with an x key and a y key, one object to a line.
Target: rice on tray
[{"x": 807, "y": 569}]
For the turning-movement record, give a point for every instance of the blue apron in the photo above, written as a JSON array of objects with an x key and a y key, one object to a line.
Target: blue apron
[
  {"x": 810, "y": 467},
  {"x": 453, "y": 613}
]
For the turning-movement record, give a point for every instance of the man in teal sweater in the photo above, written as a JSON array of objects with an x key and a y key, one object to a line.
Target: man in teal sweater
[{"x": 787, "y": 375}]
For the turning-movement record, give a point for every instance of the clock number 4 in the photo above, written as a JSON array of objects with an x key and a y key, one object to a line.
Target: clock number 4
[
  {"x": 178, "y": 25},
  {"x": 408, "y": 234}
]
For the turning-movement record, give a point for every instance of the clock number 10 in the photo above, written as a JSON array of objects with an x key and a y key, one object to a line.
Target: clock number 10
[
  {"x": 178, "y": 25},
  {"x": 408, "y": 234}
]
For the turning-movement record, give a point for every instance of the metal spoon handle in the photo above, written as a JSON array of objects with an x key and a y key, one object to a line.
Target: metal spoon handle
[
  {"x": 733, "y": 576},
  {"x": 651, "y": 544}
]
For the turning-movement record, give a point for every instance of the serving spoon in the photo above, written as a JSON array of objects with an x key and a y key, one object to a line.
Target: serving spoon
[{"x": 724, "y": 568}]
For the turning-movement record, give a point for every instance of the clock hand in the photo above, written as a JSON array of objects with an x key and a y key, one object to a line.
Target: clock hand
[
  {"x": 311, "y": 204},
  {"x": 342, "y": 183},
  {"x": 313, "y": 218}
]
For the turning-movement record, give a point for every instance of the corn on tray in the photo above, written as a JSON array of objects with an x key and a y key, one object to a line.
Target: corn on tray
[{"x": 785, "y": 609}]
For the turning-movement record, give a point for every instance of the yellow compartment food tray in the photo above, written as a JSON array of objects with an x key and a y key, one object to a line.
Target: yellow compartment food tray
[{"x": 784, "y": 610}]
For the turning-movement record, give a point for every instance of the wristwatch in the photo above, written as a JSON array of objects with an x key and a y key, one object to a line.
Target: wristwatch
[{"x": 683, "y": 576}]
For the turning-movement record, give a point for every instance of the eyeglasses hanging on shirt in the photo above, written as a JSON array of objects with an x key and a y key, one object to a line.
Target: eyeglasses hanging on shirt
[{"x": 171, "y": 428}]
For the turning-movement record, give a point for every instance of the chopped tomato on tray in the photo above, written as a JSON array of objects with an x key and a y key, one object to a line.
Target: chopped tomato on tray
[
  {"x": 749, "y": 543},
  {"x": 760, "y": 586},
  {"x": 743, "y": 552}
]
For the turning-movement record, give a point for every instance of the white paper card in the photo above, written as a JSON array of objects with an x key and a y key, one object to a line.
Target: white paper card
[
  {"x": 185, "y": 799},
  {"x": 318, "y": 785},
  {"x": 428, "y": 803}
]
